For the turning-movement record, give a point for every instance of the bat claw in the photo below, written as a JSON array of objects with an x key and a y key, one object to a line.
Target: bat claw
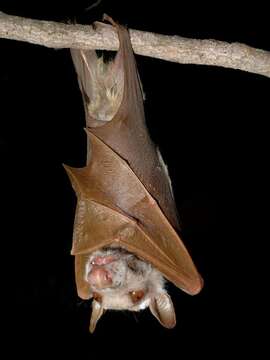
[{"x": 110, "y": 20}]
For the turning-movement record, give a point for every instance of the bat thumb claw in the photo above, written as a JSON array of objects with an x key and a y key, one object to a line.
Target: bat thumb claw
[{"x": 110, "y": 20}]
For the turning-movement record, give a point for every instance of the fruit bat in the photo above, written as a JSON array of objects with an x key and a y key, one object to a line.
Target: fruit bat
[{"x": 125, "y": 239}]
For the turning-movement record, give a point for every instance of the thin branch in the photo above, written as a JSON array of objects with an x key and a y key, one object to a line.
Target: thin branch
[{"x": 103, "y": 37}]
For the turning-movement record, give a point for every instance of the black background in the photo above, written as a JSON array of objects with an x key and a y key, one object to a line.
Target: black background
[{"x": 211, "y": 126}]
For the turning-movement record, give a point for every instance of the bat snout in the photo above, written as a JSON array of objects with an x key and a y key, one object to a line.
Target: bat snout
[{"x": 99, "y": 277}]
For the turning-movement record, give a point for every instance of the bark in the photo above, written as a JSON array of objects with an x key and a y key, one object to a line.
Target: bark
[{"x": 103, "y": 37}]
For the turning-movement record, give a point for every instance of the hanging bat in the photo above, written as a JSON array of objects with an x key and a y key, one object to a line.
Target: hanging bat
[{"x": 125, "y": 239}]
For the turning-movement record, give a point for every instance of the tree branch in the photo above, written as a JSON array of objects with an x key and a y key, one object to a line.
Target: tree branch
[{"x": 103, "y": 37}]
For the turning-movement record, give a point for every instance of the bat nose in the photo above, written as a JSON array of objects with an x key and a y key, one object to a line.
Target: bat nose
[{"x": 100, "y": 277}]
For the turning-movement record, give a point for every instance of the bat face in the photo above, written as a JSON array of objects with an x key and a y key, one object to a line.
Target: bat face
[
  {"x": 125, "y": 237},
  {"x": 119, "y": 280}
]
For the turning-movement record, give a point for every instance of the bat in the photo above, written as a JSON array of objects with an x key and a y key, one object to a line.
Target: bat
[{"x": 125, "y": 237}]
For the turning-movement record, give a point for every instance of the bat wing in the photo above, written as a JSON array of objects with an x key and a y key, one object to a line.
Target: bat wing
[
  {"x": 115, "y": 208},
  {"x": 126, "y": 132}
]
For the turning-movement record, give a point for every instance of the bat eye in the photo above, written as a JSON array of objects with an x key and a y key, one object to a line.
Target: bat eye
[
  {"x": 97, "y": 297},
  {"x": 136, "y": 295}
]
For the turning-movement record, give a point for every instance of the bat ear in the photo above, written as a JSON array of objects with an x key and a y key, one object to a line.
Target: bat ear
[
  {"x": 97, "y": 312},
  {"x": 162, "y": 308}
]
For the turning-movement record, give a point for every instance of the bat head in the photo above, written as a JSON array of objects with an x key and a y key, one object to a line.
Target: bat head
[{"x": 121, "y": 281}]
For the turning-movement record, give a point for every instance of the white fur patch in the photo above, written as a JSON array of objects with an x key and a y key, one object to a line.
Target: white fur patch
[{"x": 166, "y": 171}]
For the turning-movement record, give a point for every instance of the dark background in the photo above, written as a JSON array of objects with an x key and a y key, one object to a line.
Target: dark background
[{"x": 211, "y": 126}]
